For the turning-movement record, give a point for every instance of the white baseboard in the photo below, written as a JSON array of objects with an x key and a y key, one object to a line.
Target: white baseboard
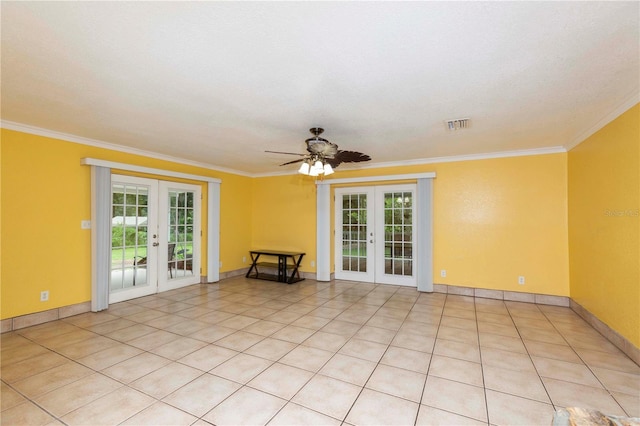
[
  {"x": 515, "y": 296},
  {"x": 23, "y": 321},
  {"x": 610, "y": 334}
]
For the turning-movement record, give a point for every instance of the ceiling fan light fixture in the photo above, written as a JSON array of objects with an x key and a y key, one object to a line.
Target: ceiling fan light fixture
[
  {"x": 304, "y": 168},
  {"x": 315, "y": 168},
  {"x": 322, "y": 156},
  {"x": 314, "y": 172}
]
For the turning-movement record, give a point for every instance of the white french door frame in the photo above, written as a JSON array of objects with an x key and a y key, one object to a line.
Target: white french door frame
[
  {"x": 382, "y": 277},
  {"x": 424, "y": 199},
  {"x": 372, "y": 269},
  {"x": 158, "y": 274},
  {"x": 150, "y": 278},
  {"x": 101, "y": 223},
  {"x": 366, "y": 274}
]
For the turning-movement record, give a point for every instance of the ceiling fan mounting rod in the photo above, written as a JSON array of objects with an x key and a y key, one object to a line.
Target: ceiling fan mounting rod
[{"x": 316, "y": 130}]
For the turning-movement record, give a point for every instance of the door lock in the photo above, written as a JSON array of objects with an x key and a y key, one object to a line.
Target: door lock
[{"x": 155, "y": 244}]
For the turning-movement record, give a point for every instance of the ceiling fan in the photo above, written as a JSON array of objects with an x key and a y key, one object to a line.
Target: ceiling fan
[{"x": 323, "y": 156}]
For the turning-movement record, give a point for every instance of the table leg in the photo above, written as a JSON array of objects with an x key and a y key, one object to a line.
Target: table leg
[
  {"x": 254, "y": 264},
  {"x": 294, "y": 272},
  {"x": 282, "y": 269}
]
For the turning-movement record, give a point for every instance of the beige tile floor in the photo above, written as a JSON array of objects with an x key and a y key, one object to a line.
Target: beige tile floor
[{"x": 255, "y": 352}]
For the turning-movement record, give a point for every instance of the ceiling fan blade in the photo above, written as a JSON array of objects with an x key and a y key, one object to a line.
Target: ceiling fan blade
[
  {"x": 347, "y": 157},
  {"x": 321, "y": 149},
  {"x": 292, "y": 162},
  {"x": 287, "y": 153}
]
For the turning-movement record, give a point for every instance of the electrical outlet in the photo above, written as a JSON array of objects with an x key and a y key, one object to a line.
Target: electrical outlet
[
  {"x": 313, "y": 263},
  {"x": 521, "y": 280},
  {"x": 443, "y": 273},
  {"x": 44, "y": 296},
  {"x": 85, "y": 224},
  {"x": 221, "y": 264},
  {"x": 244, "y": 259}
]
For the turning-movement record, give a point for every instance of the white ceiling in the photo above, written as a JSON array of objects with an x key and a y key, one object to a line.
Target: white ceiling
[{"x": 217, "y": 83}]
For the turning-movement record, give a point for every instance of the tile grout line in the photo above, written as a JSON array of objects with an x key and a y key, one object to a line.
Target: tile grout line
[
  {"x": 252, "y": 292},
  {"x": 435, "y": 340},
  {"x": 123, "y": 384},
  {"x": 343, "y": 420},
  {"x": 583, "y": 362},
  {"x": 530, "y": 356},
  {"x": 97, "y": 371},
  {"x": 242, "y": 385},
  {"x": 32, "y": 400},
  {"x": 447, "y": 356},
  {"x": 484, "y": 383},
  {"x": 298, "y": 345}
]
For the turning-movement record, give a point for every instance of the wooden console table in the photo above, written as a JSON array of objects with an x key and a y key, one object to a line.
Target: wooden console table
[{"x": 282, "y": 266}]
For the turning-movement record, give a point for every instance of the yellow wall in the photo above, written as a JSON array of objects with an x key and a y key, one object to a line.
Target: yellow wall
[
  {"x": 494, "y": 220},
  {"x": 604, "y": 186},
  {"x": 284, "y": 215},
  {"x": 235, "y": 221},
  {"x": 45, "y": 195}
]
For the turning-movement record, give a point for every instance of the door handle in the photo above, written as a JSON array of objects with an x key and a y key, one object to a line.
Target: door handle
[
  {"x": 155, "y": 244},
  {"x": 370, "y": 241}
]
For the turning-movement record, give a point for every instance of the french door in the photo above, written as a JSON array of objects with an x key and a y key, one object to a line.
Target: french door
[
  {"x": 376, "y": 234},
  {"x": 155, "y": 236}
]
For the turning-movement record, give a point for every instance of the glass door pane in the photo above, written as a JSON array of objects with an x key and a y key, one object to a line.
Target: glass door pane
[
  {"x": 354, "y": 239},
  {"x": 398, "y": 233},
  {"x": 354, "y": 232},
  {"x": 180, "y": 250},
  {"x": 132, "y": 221},
  {"x": 395, "y": 254},
  {"x": 181, "y": 219}
]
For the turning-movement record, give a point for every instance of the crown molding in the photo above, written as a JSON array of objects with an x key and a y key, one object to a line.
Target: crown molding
[
  {"x": 435, "y": 160},
  {"x": 274, "y": 174},
  {"x": 416, "y": 162},
  {"x": 24, "y": 128},
  {"x": 469, "y": 157},
  {"x": 629, "y": 102}
]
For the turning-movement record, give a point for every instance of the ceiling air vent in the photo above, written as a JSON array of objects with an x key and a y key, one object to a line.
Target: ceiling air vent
[{"x": 458, "y": 124}]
